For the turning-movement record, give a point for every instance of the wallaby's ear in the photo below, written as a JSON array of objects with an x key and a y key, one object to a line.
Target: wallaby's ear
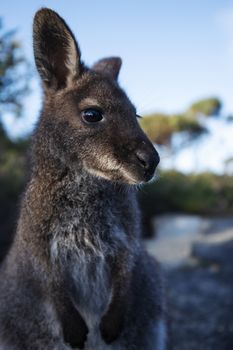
[
  {"x": 109, "y": 66},
  {"x": 56, "y": 52}
]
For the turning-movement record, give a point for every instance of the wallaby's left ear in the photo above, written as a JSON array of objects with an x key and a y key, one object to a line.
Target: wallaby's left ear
[
  {"x": 56, "y": 52},
  {"x": 109, "y": 66}
]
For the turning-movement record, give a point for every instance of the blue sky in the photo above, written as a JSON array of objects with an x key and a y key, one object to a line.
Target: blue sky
[{"x": 173, "y": 52}]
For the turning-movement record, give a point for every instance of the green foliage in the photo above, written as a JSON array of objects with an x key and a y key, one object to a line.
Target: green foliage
[
  {"x": 161, "y": 127},
  {"x": 14, "y": 73},
  {"x": 12, "y": 181},
  {"x": 158, "y": 128},
  {"x": 206, "y": 107},
  {"x": 205, "y": 194},
  {"x": 12, "y": 165},
  {"x": 14, "y": 80}
]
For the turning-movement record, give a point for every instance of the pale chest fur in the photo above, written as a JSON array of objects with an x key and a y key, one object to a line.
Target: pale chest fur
[
  {"x": 84, "y": 254},
  {"x": 91, "y": 278}
]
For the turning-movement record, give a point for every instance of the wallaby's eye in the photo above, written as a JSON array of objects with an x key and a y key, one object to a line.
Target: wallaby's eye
[{"x": 92, "y": 115}]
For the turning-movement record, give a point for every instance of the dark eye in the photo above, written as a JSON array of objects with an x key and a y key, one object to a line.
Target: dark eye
[{"x": 91, "y": 115}]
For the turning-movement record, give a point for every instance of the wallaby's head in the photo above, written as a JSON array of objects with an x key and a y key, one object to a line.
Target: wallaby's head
[{"x": 87, "y": 119}]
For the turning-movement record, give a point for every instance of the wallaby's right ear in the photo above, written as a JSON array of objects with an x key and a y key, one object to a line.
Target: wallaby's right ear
[{"x": 56, "y": 52}]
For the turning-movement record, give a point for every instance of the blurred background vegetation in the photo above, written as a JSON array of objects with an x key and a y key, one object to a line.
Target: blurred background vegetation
[
  {"x": 176, "y": 192},
  {"x": 14, "y": 83}
]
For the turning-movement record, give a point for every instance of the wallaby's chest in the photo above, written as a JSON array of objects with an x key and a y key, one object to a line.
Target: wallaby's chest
[
  {"x": 84, "y": 252},
  {"x": 84, "y": 239},
  {"x": 86, "y": 261}
]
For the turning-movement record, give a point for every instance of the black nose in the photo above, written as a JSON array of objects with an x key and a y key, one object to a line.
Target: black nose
[{"x": 148, "y": 160}]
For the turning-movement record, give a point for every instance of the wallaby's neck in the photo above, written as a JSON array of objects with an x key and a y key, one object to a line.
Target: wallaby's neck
[
  {"x": 56, "y": 190},
  {"x": 52, "y": 172}
]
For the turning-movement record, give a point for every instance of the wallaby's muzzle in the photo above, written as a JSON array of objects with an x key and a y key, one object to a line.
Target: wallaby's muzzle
[
  {"x": 138, "y": 157},
  {"x": 147, "y": 159}
]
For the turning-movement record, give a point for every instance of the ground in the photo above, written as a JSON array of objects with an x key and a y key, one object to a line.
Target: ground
[{"x": 197, "y": 258}]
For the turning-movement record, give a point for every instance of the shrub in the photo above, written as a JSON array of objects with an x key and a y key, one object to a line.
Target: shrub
[{"x": 205, "y": 194}]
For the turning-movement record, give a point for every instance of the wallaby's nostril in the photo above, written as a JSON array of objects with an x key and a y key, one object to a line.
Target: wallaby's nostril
[{"x": 143, "y": 159}]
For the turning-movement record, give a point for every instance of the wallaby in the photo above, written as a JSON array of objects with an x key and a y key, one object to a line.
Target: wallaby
[{"x": 76, "y": 275}]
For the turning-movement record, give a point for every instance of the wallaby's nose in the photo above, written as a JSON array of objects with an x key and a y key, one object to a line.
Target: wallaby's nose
[{"x": 148, "y": 160}]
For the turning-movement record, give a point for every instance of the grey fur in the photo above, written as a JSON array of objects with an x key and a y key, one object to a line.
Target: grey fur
[{"x": 76, "y": 275}]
